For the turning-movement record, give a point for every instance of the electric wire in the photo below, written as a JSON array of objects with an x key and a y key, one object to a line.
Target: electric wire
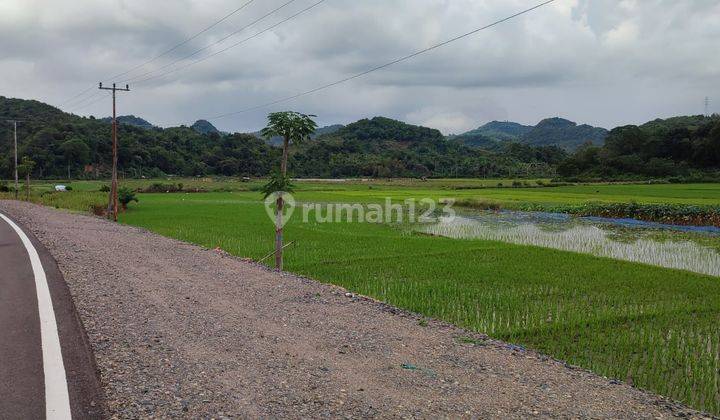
[
  {"x": 173, "y": 48},
  {"x": 382, "y": 66},
  {"x": 231, "y": 46},
  {"x": 196, "y": 52}
]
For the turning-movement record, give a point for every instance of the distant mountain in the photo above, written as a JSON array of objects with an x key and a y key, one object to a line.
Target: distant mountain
[
  {"x": 563, "y": 133},
  {"x": 130, "y": 120},
  {"x": 380, "y": 129},
  {"x": 548, "y": 132},
  {"x": 501, "y": 130},
  {"x": 204, "y": 127},
  {"x": 329, "y": 129}
]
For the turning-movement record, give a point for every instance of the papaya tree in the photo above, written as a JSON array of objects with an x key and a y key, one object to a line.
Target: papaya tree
[{"x": 293, "y": 128}]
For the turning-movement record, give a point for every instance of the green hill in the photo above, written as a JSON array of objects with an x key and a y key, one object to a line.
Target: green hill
[
  {"x": 130, "y": 120},
  {"x": 563, "y": 133},
  {"x": 380, "y": 147},
  {"x": 56, "y": 140},
  {"x": 500, "y": 130},
  {"x": 685, "y": 148},
  {"x": 548, "y": 132},
  {"x": 383, "y": 147},
  {"x": 204, "y": 127}
]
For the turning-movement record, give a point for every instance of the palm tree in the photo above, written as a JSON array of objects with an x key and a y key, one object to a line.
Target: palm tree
[{"x": 294, "y": 128}]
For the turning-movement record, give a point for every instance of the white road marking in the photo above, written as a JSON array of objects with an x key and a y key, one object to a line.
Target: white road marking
[{"x": 57, "y": 400}]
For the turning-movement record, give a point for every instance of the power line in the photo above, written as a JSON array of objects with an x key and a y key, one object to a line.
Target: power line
[
  {"x": 380, "y": 67},
  {"x": 231, "y": 46},
  {"x": 99, "y": 98},
  {"x": 224, "y": 18},
  {"x": 70, "y": 100},
  {"x": 138, "y": 77},
  {"x": 216, "y": 23},
  {"x": 85, "y": 101}
]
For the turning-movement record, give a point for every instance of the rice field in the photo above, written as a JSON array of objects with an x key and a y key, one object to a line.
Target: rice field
[
  {"x": 657, "y": 328},
  {"x": 681, "y": 254}
]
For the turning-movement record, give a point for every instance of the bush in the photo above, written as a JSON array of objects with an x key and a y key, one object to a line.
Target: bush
[
  {"x": 125, "y": 196},
  {"x": 159, "y": 187},
  {"x": 105, "y": 188},
  {"x": 98, "y": 209},
  {"x": 4, "y": 187}
]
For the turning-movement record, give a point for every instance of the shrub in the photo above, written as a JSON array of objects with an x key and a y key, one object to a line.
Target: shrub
[
  {"x": 125, "y": 196},
  {"x": 98, "y": 209},
  {"x": 159, "y": 187}
]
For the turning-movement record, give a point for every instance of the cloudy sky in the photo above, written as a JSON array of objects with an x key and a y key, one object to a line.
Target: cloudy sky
[{"x": 602, "y": 62}]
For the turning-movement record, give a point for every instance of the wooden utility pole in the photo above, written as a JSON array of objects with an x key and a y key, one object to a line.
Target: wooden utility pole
[
  {"x": 17, "y": 183},
  {"x": 113, "y": 200}
]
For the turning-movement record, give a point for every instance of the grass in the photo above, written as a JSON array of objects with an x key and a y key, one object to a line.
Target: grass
[{"x": 659, "y": 328}]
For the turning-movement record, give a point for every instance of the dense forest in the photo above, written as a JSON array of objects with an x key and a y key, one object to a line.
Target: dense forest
[
  {"x": 63, "y": 145},
  {"x": 681, "y": 148}
]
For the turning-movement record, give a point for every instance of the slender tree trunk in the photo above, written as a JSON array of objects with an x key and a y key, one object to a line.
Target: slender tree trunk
[
  {"x": 279, "y": 234},
  {"x": 283, "y": 163},
  {"x": 279, "y": 209}
]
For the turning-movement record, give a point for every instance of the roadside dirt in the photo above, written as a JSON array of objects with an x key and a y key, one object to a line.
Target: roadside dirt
[{"x": 182, "y": 331}]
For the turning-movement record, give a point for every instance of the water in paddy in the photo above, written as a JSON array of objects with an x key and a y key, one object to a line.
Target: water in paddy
[{"x": 690, "y": 248}]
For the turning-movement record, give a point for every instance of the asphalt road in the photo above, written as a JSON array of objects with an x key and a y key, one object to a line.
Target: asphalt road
[{"x": 46, "y": 367}]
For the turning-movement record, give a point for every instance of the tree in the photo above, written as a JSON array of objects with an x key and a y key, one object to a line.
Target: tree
[
  {"x": 294, "y": 128},
  {"x": 76, "y": 152},
  {"x": 25, "y": 168},
  {"x": 125, "y": 196}
]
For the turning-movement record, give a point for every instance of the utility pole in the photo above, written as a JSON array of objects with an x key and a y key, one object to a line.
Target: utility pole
[
  {"x": 707, "y": 106},
  {"x": 17, "y": 184},
  {"x": 113, "y": 200}
]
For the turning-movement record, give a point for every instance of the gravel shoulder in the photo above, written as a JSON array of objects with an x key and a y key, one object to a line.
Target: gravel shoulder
[{"x": 182, "y": 331}]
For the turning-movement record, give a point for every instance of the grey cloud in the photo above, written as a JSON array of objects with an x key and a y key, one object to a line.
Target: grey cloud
[{"x": 600, "y": 62}]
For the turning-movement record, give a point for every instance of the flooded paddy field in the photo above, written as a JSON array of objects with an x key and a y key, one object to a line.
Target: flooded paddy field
[{"x": 692, "y": 248}]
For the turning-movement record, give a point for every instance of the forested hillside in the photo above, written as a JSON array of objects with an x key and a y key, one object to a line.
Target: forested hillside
[
  {"x": 548, "y": 132},
  {"x": 57, "y": 141},
  {"x": 382, "y": 147},
  {"x": 60, "y": 143},
  {"x": 675, "y": 147}
]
